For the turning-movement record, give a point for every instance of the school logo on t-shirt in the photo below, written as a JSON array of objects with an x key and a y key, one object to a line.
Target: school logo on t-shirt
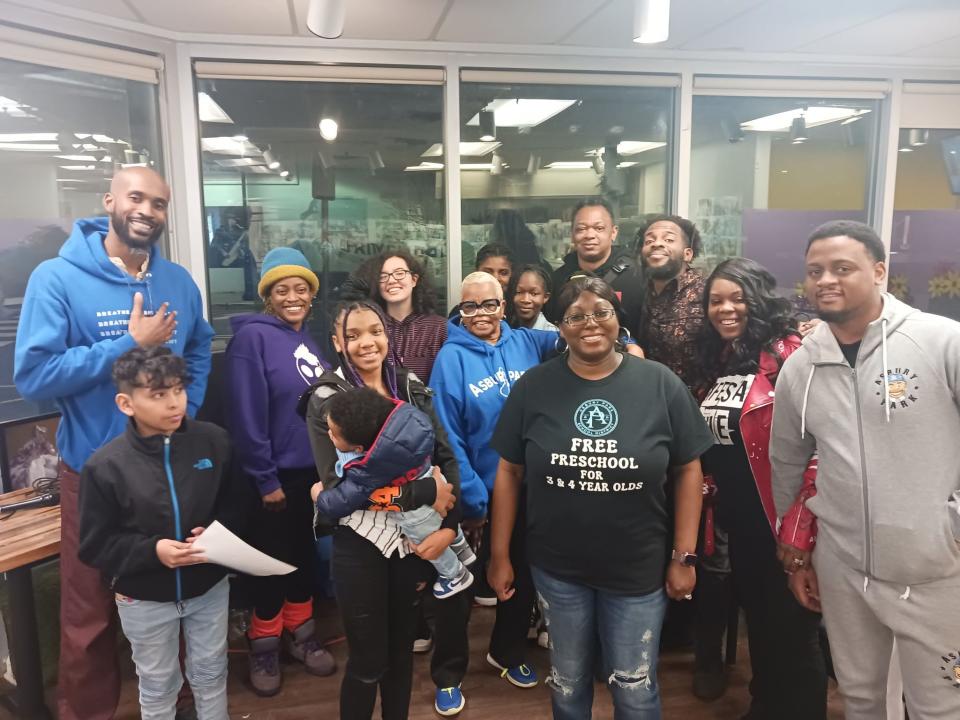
[{"x": 596, "y": 418}]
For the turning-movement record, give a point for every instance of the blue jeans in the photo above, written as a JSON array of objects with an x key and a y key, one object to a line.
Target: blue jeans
[
  {"x": 629, "y": 631},
  {"x": 417, "y": 525},
  {"x": 153, "y": 629}
]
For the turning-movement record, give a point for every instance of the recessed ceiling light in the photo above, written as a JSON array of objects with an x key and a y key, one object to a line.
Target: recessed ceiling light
[
  {"x": 424, "y": 167},
  {"x": 813, "y": 116},
  {"x": 210, "y": 111},
  {"x": 30, "y": 147},
  {"x": 27, "y": 137},
  {"x": 631, "y": 147},
  {"x": 570, "y": 165},
  {"x": 467, "y": 149},
  {"x": 522, "y": 113}
]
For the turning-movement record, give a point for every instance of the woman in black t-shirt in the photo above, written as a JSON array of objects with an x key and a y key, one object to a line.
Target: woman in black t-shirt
[
  {"x": 748, "y": 334},
  {"x": 594, "y": 434}
]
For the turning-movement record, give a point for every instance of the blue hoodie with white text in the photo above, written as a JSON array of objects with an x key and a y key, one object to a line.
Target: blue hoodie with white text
[
  {"x": 471, "y": 380},
  {"x": 73, "y": 326}
]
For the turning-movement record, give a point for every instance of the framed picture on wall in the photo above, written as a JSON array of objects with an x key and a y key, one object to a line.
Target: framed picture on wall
[{"x": 28, "y": 451}]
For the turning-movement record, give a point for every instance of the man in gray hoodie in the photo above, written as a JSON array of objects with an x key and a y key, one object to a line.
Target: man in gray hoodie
[{"x": 875, "y": 391}]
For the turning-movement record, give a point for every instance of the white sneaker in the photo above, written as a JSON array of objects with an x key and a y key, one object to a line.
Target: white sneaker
[{"x": 423, "y": 645}]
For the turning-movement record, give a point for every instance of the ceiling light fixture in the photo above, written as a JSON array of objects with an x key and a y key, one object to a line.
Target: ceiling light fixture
[
  {"x": 284, "y": 173},
  {"x": 329, "y": 129},
  {"x": 325, "y": 18},
  {"x": 210, "y": 111},
  {"x": 520, "y": 112},
  {"x": 631, "y": 147},
  {"x": 651, "y": 21},
  {"x": 270, "y": 159},
  {"x": 798, "y": 131},
  {"x": 570, "y": 165},
  {"x": 488, "y": 126},
  {"x": 812, "y": 116},
  {"x": 918, "y": 137},
  {"x": 469, "y": 149},
  {"x": 533, "y": 164},
  {"x": 376, "y": 161},
  {"x": 496, "y": 165}
]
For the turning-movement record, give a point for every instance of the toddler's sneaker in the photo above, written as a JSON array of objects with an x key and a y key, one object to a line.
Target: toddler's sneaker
[
  {"x": 523, "y": 676},
  {"x": 423, "y": 645},
  {"x": 463, "y": 550},
  {"x": 445, "y": 587},
  {"x": 449, "y": 701}
]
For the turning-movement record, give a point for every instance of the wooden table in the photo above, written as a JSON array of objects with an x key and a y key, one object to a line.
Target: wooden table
[{"x": 26, "y": 538}]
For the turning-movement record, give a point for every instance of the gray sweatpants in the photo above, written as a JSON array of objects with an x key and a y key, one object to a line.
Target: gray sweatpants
[{"x": 863, "y": 621}]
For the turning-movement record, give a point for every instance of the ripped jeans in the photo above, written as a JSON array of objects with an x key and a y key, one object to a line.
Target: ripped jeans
[
  {"x": 153, "y": 629},
  {"x": 629, "y": 632}
]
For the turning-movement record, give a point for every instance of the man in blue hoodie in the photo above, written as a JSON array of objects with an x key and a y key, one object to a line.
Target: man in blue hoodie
[{"x": 108, "y": 292}]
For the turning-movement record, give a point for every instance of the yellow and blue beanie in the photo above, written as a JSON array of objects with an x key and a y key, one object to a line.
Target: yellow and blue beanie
[{"x": 284, "y": 262}]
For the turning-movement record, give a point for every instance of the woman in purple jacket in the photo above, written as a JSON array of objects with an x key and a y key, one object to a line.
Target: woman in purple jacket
[{"x": 271, "y": 360}]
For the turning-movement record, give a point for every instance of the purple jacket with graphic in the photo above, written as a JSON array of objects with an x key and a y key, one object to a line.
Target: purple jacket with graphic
[{"x": 269, "y": 365}]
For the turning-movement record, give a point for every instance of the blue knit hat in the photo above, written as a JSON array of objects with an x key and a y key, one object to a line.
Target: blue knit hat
[{"x": 284, "y": 262}]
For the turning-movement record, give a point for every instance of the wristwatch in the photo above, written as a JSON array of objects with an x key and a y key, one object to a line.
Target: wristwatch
[{"x": 687, "y": 559}]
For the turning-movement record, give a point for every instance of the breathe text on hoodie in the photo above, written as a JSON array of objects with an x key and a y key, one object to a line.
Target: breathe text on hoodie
[{"x": 73, "y": 326}]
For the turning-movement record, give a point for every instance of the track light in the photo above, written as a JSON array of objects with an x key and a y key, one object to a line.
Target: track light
[
  {"x": 798, "y": 131},
  {"x": 329, "y": 129},
  {"x": 598, "y": 164},
  {"x": 325, "y": 18},
  {"x": 376, "y": 161},
  {"x": 270, "y": 159},
  {"x": 651, "y": 21},
  {"x": 488, "y": 126},
  {"x": 284, "y": 173},
  {"x": 533, "y": 164},
  {"x": 496, "y": 165},
  {"x": 918, "y": 137}
]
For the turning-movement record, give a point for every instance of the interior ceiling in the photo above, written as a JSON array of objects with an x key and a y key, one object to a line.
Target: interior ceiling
[{"x": 927, "y": 29}]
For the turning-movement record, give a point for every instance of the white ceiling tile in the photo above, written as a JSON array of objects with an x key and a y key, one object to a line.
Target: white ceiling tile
[
  {"x": 527, "y": 22},
  {"x": 785, "y": 25},
  {"x": 383, "y": 19},
  {"x": 949, "y": 48},
  {"x": 230, "y": 17},
  {"x": 111, "y": 8},
  {"x": 896, "y": 33}
]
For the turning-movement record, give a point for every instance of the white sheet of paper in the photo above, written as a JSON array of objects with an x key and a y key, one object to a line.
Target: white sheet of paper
[{"x": 224, "y": 548}]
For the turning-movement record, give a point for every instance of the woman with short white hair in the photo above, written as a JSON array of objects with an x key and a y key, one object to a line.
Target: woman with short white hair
[{"x": 481, "y": 360}]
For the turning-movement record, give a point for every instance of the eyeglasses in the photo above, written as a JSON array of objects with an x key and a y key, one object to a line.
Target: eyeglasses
[
  {"x": 398, "y": 275},
  {"x": 580, "y": 319},
  {"x": 487, "y": 307}
]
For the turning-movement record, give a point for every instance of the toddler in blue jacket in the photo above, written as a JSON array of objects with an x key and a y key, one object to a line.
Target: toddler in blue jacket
[{"x": 379, "y": 443}]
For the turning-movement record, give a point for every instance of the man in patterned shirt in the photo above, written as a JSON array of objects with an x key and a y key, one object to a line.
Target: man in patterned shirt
[{"x": 672, "y": 311}]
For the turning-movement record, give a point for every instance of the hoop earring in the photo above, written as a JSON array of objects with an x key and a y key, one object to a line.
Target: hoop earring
[
  {"x": 623, "y": 335},
  {"x": 560, "y": 346}
]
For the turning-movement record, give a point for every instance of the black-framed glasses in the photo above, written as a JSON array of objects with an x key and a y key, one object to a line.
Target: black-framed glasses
[
  {"x": 487, "y": 307},
  {"x": 579, "y": 319},
  {"x": 399, "y": 274}
]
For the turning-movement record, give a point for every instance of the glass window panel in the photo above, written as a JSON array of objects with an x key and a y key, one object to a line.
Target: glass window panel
[
  {"x": 271, "y": 179},
  {"x": 62, "y": 136},
  {"x": 761, "y": 178},
  {"x": 553, "y": 145},
  {"x": 925, "y": 245}
]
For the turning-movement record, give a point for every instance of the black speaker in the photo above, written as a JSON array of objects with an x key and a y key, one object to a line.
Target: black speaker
[{"x": 324, "y": 181}]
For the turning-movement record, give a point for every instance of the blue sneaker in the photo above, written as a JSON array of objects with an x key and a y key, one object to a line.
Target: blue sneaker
[
  {"x": 449, "y": 701},
  {"x": 445, "y": 587},
  {"x": 523, "y": 676}
]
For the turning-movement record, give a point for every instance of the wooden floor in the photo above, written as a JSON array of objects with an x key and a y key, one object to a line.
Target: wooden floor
[{"x": 488, "y": 696}]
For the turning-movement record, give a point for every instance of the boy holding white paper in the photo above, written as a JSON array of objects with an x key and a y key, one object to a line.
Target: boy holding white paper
[{"x": 144, "y": 498}]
